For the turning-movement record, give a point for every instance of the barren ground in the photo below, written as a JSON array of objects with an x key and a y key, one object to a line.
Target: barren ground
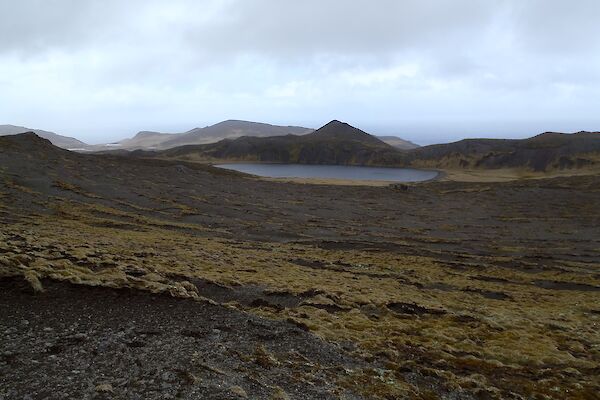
[{"x": 438, "y": 290}]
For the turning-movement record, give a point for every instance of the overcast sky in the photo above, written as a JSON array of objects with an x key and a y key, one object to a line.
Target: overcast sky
[{"x": 426, "y": 70}]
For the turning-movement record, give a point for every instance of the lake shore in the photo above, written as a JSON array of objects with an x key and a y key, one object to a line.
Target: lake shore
[
  {"x": 354, "y": 175},
  {"x": 452, "y": 175}
]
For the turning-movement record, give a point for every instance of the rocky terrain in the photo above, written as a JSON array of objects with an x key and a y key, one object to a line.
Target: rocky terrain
[
  {"x": 103, "y": 343},
  {"x": 125, "y": 277}
]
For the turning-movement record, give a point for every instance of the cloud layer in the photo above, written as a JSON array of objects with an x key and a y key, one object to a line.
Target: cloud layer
[{"x": 432, "y": 70}]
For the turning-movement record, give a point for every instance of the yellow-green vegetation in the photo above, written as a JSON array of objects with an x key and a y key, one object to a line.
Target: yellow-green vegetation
[
  {"x": 75, "y": 189},
  {"x": 13, "y": 184},
  {"x": 485, "y": 329},
  {"x": 446, "y": 289},
  {"x": 454, "y": 173}
]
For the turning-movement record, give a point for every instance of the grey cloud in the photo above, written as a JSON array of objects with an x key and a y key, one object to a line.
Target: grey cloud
[
  {"x": 33, "y": 26},
  {"x": 303, "y": 29},
  {"x": 145, "y": 64},
  {"x": 556, "y": 26}
]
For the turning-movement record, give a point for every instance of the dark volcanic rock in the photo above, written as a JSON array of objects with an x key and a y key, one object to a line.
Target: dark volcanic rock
[{"x": 80, "y": 342}]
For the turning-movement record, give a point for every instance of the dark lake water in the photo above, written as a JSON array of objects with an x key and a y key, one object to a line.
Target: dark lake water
[{"x": 333, "y": 172}]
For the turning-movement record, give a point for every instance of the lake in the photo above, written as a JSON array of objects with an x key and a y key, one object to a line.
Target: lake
[{"x": 333, "y": 172}]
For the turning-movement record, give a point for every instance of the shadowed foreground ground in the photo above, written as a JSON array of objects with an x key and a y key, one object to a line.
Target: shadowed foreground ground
[
  {"x": 81, "y": 342},
  {"x": 440, "y": 290}
]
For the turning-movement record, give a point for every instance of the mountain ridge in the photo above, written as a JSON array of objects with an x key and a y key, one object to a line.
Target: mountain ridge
[
  {"x": 228, "y": 129},
  {"x": 152, "y": 140},
  {"x": 341, "y": 144},
  {"x": 338, "y": 143},
  {"x": 398, "y": 142},
  {"x": 334, "y": 143},
  {"x": 539, "y": 153},
  {"x": 65, "y": 142}
]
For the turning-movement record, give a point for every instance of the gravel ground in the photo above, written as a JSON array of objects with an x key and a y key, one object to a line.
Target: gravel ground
[{"x": 75, "y": 342}]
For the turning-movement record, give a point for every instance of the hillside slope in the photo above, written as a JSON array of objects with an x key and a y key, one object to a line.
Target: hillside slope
[
  {"x": 392, "y": 280},
  {"x": 145, "y": 140},
  {"x": 398, "y": 143},
  {"x": 545, "y": 152},
  {"x": 58, "y": 140},
  {"x": 334, "y": 143},
  {"x": 338, "y": 143},
  {"x": 231, "y": 129}
]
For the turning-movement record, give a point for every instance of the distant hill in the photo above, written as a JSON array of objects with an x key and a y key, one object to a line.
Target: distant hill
[
  {"x": 230, "y": 129},
  {"x": 144, "y": 140},
  {"x": 28, "y": 142},
  {"x": 342, "y": 144},
  {"x": 338, "y": 143},
  {"x": 151, "y": 140},
  {"x": 544, "y": 152},
  {"x": 334, "y": 143},
  {"x": 398, "y": 143},
  {"x": 58, "y": 140}
]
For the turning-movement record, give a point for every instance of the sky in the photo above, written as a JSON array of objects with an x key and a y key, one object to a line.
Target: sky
[{"x": 426, "y": 70}]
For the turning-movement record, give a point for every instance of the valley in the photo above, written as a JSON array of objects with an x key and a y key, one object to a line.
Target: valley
[
  {"x": 299, "y": 200},
  {"x": 441, "y": 289}
]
